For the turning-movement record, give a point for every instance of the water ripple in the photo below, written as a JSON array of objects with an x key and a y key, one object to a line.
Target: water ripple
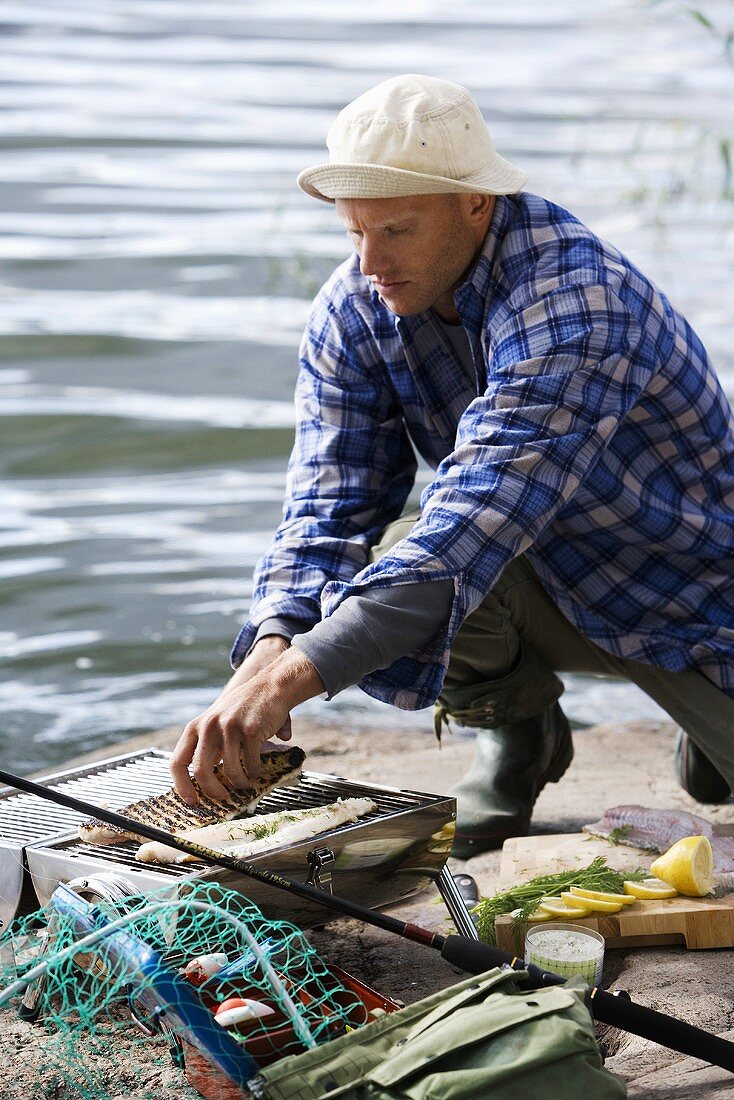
[{"x": 35, "y": 400}]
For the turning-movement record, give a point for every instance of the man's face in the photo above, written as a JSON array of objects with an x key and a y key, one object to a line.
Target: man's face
[{"x": 415, "y": 250}]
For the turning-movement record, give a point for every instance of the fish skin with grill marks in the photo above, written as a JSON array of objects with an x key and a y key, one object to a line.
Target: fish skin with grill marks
[{"x": 279, "y": 768}]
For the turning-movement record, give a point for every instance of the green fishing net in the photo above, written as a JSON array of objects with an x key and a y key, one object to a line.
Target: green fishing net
[{"x": 112, "y": 999}]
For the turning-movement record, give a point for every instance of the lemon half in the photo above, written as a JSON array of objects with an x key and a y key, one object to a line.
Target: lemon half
[{"x": 688, "y": 866}]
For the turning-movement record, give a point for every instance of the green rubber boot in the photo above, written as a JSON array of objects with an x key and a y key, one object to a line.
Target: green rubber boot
[{"x": 512, "y": 763}]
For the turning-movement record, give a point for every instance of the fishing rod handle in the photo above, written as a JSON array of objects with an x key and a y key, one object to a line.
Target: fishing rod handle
[
  {"x": 662, "y": 1029},
  {"x": 475, "y": 958}
]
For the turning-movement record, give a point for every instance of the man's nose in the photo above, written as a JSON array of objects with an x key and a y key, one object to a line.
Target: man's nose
[{"x": 371, "y": 256}]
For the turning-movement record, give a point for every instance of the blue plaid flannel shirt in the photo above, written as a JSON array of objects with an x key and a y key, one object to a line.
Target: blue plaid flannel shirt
[{"x": 597, "y": 441}]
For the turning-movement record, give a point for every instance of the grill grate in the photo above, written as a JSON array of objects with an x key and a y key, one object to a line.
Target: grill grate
[
  {"x": 27, "y": 819},
  {"x": 312, "y": 790}
]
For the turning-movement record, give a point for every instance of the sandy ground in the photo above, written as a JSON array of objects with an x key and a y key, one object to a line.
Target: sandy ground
[{"x": 613, "y": 764}]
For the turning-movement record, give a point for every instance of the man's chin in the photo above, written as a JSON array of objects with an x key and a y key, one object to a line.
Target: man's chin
[{"x": 398, "y": 305}]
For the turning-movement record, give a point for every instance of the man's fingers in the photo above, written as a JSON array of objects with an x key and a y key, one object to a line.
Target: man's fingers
[
  {"x": 207, "y": 756},
  {"x": 179, "y": 765},
  {"x": 228, "y": 737},
  {"x": 251, "y": 756},
  {"x": 209, "y": 784},
  {"x": 232, "y": 760}
]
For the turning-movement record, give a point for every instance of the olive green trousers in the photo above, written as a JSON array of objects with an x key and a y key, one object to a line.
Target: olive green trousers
[{"x": 507, "y": 652}]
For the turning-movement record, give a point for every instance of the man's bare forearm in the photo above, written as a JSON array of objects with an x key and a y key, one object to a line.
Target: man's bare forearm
[
  {"x": 262, "y": 654},
  {"x": 291, "y": 677}
]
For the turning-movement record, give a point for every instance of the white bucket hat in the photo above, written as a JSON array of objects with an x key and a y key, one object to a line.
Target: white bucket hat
[{"x": 411, "y": 135}]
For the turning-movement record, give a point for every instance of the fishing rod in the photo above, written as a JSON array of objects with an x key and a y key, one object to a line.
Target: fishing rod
[{"x": 460, "y": 951}]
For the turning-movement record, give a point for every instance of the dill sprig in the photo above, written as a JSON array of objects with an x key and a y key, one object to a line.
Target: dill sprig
[{"x": 527, "y": 896}]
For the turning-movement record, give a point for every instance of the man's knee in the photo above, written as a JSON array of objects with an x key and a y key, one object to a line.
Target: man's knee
[
  {"x": 393, "y": 533},
  {"x": 486, "y": 646},
  {"x": 528, "y": 687}
]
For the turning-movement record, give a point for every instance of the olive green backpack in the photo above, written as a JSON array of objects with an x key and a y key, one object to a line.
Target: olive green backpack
[{"x": 484, "y": 1037}]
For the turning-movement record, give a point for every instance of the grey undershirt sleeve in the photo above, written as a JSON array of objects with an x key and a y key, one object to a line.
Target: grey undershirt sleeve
[
  {"x": 372, "y": 630},
  {"x": 281, "y": 625}
]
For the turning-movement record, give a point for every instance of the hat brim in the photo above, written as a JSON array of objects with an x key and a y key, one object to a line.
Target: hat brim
[{"x": 330, "y": 182}]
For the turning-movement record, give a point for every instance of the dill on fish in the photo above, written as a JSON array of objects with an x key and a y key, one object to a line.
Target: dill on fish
[
  {"x": 527, "y": 896},
  {"x": 617, "y": 835},
  {"x": 258, "y": 831}
]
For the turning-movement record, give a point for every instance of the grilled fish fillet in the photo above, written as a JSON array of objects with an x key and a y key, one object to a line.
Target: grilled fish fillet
[
  {"x": 257, "y": 834},
  {"x": 168, "y": 811}
]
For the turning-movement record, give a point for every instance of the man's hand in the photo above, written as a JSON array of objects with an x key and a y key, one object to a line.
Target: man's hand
[{"x": 254, "y": 706}]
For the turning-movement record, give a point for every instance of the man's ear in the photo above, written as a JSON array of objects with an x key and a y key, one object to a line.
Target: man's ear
[{"x": 480, "y": 207}]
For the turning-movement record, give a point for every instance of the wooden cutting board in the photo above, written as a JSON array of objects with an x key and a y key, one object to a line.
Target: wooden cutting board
[{"x": 694, "y": 922}]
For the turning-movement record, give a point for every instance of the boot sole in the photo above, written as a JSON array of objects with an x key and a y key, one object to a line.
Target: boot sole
[{"x": 464, "y": 846}]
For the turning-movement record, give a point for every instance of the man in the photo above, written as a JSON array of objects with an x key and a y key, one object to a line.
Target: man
[{"x": 581, "y": 515}]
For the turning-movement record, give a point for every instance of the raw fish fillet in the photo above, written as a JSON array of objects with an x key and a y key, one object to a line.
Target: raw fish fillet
[
  {"x": 169, "y": 811},
  {"x": 257, "y": 834},
  {"x": 658, "y": 830}
]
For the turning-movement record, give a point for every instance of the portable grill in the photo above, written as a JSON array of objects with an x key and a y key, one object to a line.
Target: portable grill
[{"x": 386, "y": 856}]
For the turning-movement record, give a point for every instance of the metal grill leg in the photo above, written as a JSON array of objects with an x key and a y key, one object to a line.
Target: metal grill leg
[{"x": 456, "y": 905}]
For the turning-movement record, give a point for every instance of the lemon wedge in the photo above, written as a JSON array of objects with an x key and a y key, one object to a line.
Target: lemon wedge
[
  {"x": 597, "y": 905},
  {"x": 650, "y": 889},
  {"x": 688, "y": 866},
  {"x": 556, "y": 907},
  {"x": 601, "y": 895}
]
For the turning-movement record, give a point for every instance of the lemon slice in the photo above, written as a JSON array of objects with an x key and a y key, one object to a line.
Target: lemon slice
[
  {"x": 688, "y": 866},
  {"x": 556, "y": 907},
  {"x": 572, "y": 900},
  {"x": 601, "y": 895},
  {"x": 538, "y": 915},
  {"x": 597, "y": 905},
  {"x": 650, "y": 889}
]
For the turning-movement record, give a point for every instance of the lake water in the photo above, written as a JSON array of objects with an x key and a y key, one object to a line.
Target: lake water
[{"x": 158, "y": 261}]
